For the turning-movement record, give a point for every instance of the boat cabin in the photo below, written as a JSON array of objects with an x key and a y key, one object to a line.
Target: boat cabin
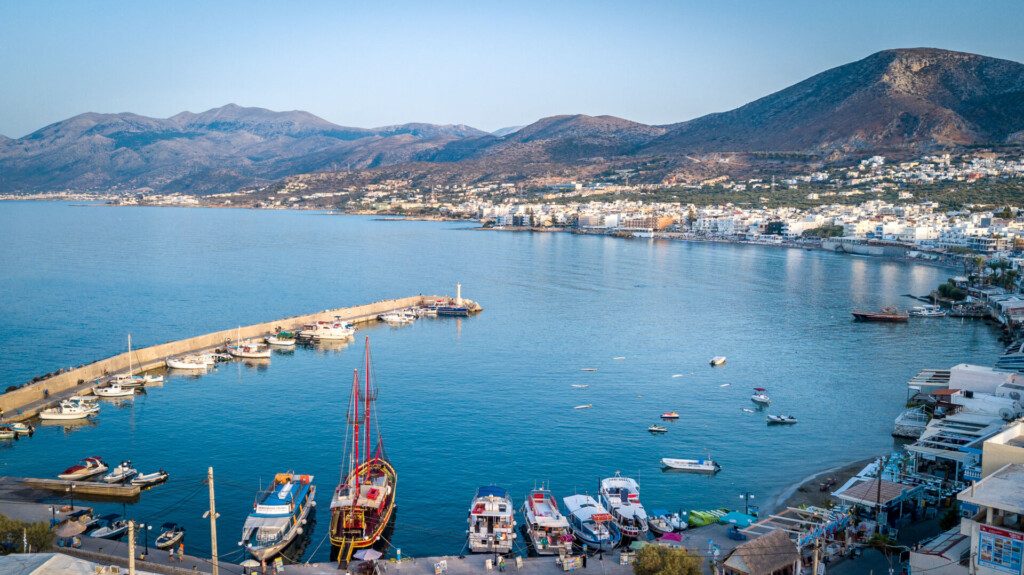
[{"x": 491, "y": 521}]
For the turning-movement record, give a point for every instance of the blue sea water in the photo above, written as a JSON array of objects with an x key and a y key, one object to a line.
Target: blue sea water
[{"x": 462, "y": 403}]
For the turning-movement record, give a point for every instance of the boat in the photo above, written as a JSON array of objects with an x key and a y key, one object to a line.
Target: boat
[
  {"x": 584, "y": 406},
  {"x": 781, "y": 419},
  {"x": 717, "y": 361},
  {"x": 1012, "y": 359},
  {"x": 249, "y": 350},
  {"x": 670, "y": 415},
  {"x": 760, "y": 396},
  {"x": 927, "y": 310},
  {"x": 424, "y": 311},
  {"x": 453, "y": 311},
  {"x": 887, "y": 314},
  {"x": 327, "y": 331},
  {"x": 748, "y": 410},
  {"x": 546, "y": 527},
  {"x": 397, "y": 317},
  {"x": 588, "y": 369},
  {"x": 363, "y": 504},
  {"x": 281, "y": 339},
  {"x": 591, "y": 524},
  {"x": 150, "y": 479},
  {"x": 128, "y": 379},
  {"x": 121, "y": 473},
  {"x": 151, "y": 379},
  {"x": 708, "y": 517},
  {"x": 23, "y": 428},
  {"x": 911, "y": 423},
  {"x": 170, "y": 535},
  {"x": 657, "y": 429},
  {"x": 113, "y": 527},
  {"x": 188, "y": 363},
  {"x": 621, "y": 497},
  {"x": 662, "y": 522},
  {"x": 725, "y": 385},
  {"x": 90, "y": 467},
  {"x": 695, "y": 465},
  {"x": 66, "y": 411},
  {"x": 279, "y": 515},
  {"x": 113, "y": 390},
  {"x": 581, "y": 385},
  {"x": 491, "y": 521},
  {"x": 6, "y": 432}
]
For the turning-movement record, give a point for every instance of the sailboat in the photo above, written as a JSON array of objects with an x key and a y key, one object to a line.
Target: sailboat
[
  {"x": 248, "y": 349},
  {"x": 128, "y": 379},
  {"x": 364, "y": 502}
]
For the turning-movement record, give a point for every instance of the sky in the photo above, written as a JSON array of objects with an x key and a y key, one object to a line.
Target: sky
[{"x": 489, "y": 64}]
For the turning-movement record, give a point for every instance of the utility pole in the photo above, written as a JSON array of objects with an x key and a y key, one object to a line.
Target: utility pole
[
  {"x": 817, "y": 543},
  {"x": 212, "y": 513},
  {"x": 131, "y": 547}
]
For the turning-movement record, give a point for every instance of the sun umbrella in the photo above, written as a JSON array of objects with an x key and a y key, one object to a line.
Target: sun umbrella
[
  {"x": 368, "y": 554},
  {"x": 70, "y": 529},
  {"x": 250, "y": 563}
]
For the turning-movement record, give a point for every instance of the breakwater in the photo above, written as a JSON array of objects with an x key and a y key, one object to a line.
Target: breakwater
[{"x": 28, "y": 400}]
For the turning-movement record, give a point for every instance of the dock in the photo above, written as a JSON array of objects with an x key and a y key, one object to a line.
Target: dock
[
  {"x": 83, "y": 489},
  {"x": 28, "y": 400}
]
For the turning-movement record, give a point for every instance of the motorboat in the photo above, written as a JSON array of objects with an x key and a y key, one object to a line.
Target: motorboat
[
  {"x": 491, "y": 521},
  {"x": 546, "y": 527},
  {"x": 584, "y": 406},
  {"x": 150, "y": 479},
  {"x": 591, "y": 524},
  {"x": 717, "y": 361},
  {"x": 23, "y": 428},
  {"x": 662, "y": 522},
  {"x": 170, "y": 535},
  {"x": 657, "y": 429},
  {"x": 279, "y": 515},
  {"x": 760, "y": 396},
  {"x": 425, "y": 311},
  {"x": 281, "y": 339},
  {"x": 188, "y": 363},
  {"x": 670, "y": 415},
  {"x": 397, "y": 317},
  {"x": 113, "y": 527},
  {"x": 695, "y": 465},
  {"x": 581, "y": 385},
  {"x": 781, "y": 420},
  {"x": 121, "y": 473},
  {"x": 927, "y": 310},
  {"x": 588, "y": 369},
  {"x": 327, "y": 331},
  {"x": 113, "y": 390},
  {"x": 150, "y": 378},
  {"x": 88, "y": 403},
  {"x": 621, "y": 497},
  {"x": 888, "y": 314},
  {"x": 249, "y": 350},
  {"x": 89, "y": 467},
  {"x": 6, "y": 432},
  {"x": 66, "y": 411},
  {"x": 453, "y": 311}
]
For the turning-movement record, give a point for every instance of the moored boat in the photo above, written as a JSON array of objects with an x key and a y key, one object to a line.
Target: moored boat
[
  {"x": 279, "y": 515},
  {"x": 249, "y": 350},
  {"x": 22, "y": 428},
  {"x": 123, "y": 472},
  {"x": 927, "y": 310},
  {"x": 327, "y": 331},
  {"x": 621, "y": 497},
  {"x": 670, "y": 415},
  {"x": 886, "y": 314},
  {"x": 6, "y": 432},
  {"x": 718, "y": 360},
  {"x": 89, "y": 467},
  {"x": 491, "y": 521},
  {"x": 150, "y": 479},
  {"x": 453, "y": 311},
  {"x": 546, "y": 527},
  {"x": 781, "y": 420},
  {"x": 760, "y": 396},
  {"x": 171, "y": 534},
  {"x": 695, "y": 465},
  {"x": 657, "y": 429},
  {"x": 281, "y": 339},
  {"x": 113, "y": 527},
  {"x": 591, "y": 524},
  {"x": 363, "y": 504},
  {"x": 67, "y": 411},
  {"x": 113, "y": 390},
  {"x": 188, "y": 363}
]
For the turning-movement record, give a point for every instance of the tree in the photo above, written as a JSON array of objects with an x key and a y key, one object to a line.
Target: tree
[
  {"x": 39, "y": 536},
  {"x": 773, "y": 228},
  {"x": 661, "y": 560}
]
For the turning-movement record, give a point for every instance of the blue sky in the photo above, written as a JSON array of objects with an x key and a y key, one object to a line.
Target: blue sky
[{"x": 485, "y": 63}]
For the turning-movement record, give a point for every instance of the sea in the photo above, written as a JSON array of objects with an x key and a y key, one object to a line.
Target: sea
[{"x": 465, "y": 402}]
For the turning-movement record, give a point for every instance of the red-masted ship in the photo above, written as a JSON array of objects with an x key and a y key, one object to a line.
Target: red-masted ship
[{"x": 364, "y": 502}]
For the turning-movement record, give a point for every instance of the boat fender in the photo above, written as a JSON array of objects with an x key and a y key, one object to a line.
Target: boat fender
[
  {"x": 299, "y": 531},
  {"x": 303, "y": 521},
  {"x": 313, "y": 503}
]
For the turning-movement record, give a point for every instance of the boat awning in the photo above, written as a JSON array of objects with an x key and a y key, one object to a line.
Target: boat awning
[{"x": 256, "y": 522}]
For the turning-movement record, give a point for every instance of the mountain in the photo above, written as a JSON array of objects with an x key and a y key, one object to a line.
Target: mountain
[
  {"x": 916, "y": 98},
  {"x": 502, "y": 132}
]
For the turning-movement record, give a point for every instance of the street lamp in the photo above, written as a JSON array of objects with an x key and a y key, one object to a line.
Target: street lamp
[
  {"x": 146, "y": 528},
  {"x": 746, "y": 497},
  {"x": 71, "y": 493}
]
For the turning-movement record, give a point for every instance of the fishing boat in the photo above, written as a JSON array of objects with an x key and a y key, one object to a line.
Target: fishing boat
[
  {"x": 702, "y": 518},
  {"x": 453, "y": 310},
  {"x": 657, "y": 429},
  {"x": 670, "y": 415},
  {"x": 621, "y": 497},
  {"x": 188, "y": 363},
  {"x": 249, "y": 350},
  {"x": 66, "y": 411},
  {"x": 171, "y": 534},
  {"x": 278, "y": 515},
  {"x": 113, "y": 390},
  {"x": 121, "y": 473},
  {"x": 695, "y": 465},
  {"x": 89, "y": 467},
  {"x": 717, "y": 361},
  {"x": 113, "y": 527},
  {"x": 887, "y": 314},
  {"x": 331, "y": 330},
  {"x": 23, "y": 428},
  {"x": 760, "y": 396},
  {"x": 546, "y": 527},
  {"x": 397, "y": 317},
  {"x": 281, "y": 339},
  {"x": 662, "y": 522},
  {"x": 150, "y": 479},
  {"x": 6, "y": 432},
  {"x": 491, "y": 521},
  {"x": 781, "y": 420},
  {"x": 364, "y": 502},
  {"x": 927, "y": 310},
  {"x": 591, "y": 524}
]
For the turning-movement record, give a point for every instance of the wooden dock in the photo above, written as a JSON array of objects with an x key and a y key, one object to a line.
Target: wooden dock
[{"x": 91, "y": 490}]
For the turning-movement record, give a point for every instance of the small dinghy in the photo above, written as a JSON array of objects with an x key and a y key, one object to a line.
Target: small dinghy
[
  {"x": 23, "y": 428},
  {"x": 748, "y": 410},
  {"x": 619, "y": 357},
  {"x": 781, "y": 420},
  {"x": 670, "y": 415},
  {"x": 717, "y": 361},
  {"x": 121, "y": 473},
  {"x": 661, "y": 522},
  {"x": 113, "y": 390},
  {"x": 657, "y": 429},
  {"x": 584, "y": 406},
  {"x": 695, "y": 465},
  {"x": 170, "y": 535},
  {"x": 676, "y": 375},
  {"x": 581, "y": 385},
  {"x": 725, "y": 385},
  {"x": 113, "y": 527},
  {"x": 6, "y": 432},
  {"x": 282, "y": 339},
  {"x": 150, "y": 479},
  {"x": 589, "y": 369}
]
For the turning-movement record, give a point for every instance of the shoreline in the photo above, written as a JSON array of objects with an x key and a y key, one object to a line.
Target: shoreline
[{"x": 807, "y": 491}]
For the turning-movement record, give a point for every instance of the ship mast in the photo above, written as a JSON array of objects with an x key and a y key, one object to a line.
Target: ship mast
[
  {"x": 366, "y": 416},
  {"x": 355, "y": 430}
]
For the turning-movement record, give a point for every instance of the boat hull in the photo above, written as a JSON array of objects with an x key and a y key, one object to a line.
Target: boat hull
[
  {"x": 348, "y": 540},
  {"x": 880, "y": 317},
  {"x": 271, "y": 551}
]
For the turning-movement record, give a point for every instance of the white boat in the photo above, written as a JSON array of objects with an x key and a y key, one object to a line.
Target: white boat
[
  {"x": 927, "y": 310},
  {"x": 150, "y": 479},
  {"x": 584, "y": 406},
  {"x": 281, "y": 339},
  {"x": 170, "y": 535},
  {"x": 6, "y": 432},
  {"x": 248, "y": 349},
  {"x": 23, "y": 428},
  {"x": 696, "y": 465},
  {"x": 121, "y": 473},
  {"x": 89, "y": 467},
  {"x": 327, "y": 330},
  {"x": 591, "y": 523},
  {"x": 546, "y": 527},
  {"x": 113, "y": 390},
  {"x": 149, "y": 378},
  {"x": 657, "y": 429},
  {"x": 781, "y": 419},
  {"x": 717, "y": 360},
  {"x": 114, "y": 528},
  {"x": 581, "y": 385},
  {"x": 760, "y": 396},
  {"x": 279, "y": 515},
  {"x": 66, "y": 411},
  {"x": 128, "y": 379},
  {"x": 491, "y": 521},
  {"x": 188, "y": 363},
  {"x": 397, "y": 317},
  {"x": 621, "y": 496}
]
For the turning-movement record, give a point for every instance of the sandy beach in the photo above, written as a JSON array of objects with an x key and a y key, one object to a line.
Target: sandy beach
[{"x": 808, "y": 491}]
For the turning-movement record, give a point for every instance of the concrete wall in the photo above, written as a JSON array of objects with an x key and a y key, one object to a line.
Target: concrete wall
[
  {"x": 996, "y": 452},
  {"x": 153, "y": 356}
]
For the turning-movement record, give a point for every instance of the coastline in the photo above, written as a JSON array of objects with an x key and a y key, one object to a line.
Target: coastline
[{"x": 807, "y": 491}]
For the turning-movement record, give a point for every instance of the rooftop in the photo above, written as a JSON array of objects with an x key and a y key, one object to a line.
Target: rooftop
[
  {"x": 869, "y": 492},
  {"x": 1004, "y": 490}
]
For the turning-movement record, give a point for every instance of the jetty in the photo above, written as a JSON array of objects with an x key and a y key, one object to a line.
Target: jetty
[
  {"x": 84, "y": 489},
  {"x": 27, "y": 401}
]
